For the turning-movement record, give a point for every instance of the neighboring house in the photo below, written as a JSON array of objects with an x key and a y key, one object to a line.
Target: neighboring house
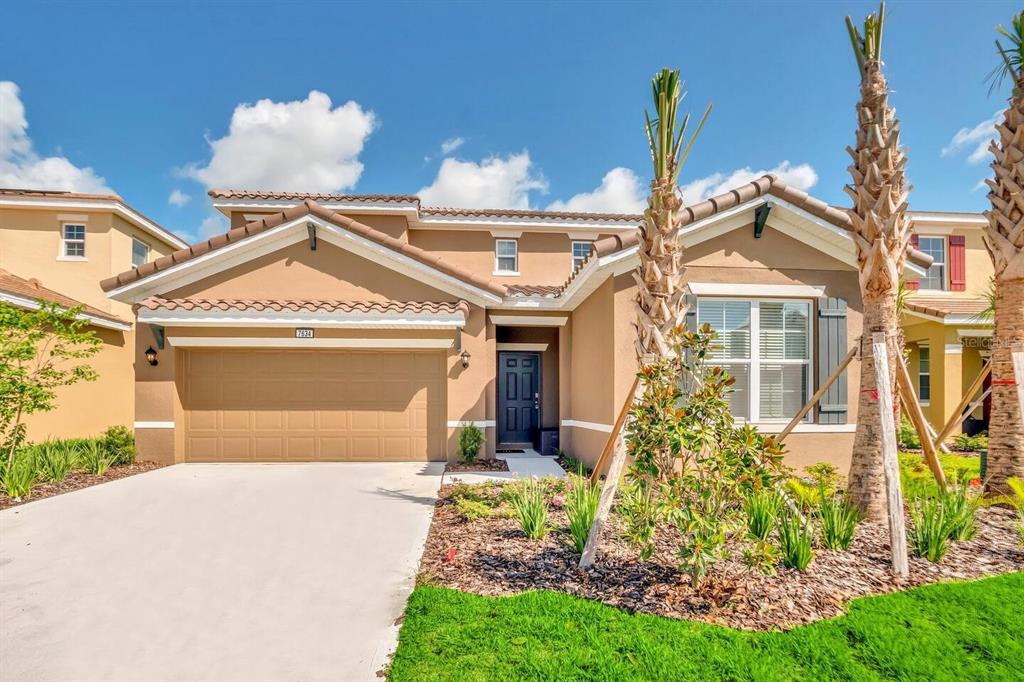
[
  {"x": 333, "y": 327},
  {"x": 947, "y": 335},
  {"x": 57, "y": 246}
]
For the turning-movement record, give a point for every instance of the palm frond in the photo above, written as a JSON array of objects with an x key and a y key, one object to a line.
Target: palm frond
[
  {"x": 867, "y": 45},
  {"x": 667, "y": 136},
  {"x": 1012, "y": 57},
  {"x": 989, "y": 313}
]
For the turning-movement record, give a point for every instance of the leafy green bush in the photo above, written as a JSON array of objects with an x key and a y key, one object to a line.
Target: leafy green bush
[
  {"x": 581, "y": 507},
  {"x": 527, "y": 500},
  {"x": 804, "y": 496},
  {"x": 762, "y": 556},
  {"x": 640, "y": 513},
  {"x": 825, "y": 476},
  {"x": 95, "y": 458},
  {"x": 762, "y": 510},
  {"x": 960, "y": 506},
  {"x": 571, "y": 464},
  {"x": 471, "y": 510},
  {"x": 20, "y": 475},
  {"x": 471, "y": 439},
  {"x": 964, "y": 443},
  {"x": 55, "y": 458},
  {"x": 839, "y": 521},
  {"x": 120, "y": 443},
  {"x": 795, "y": 538},
  {"x": 929, "y": 529},
  {"x": 907, "y": 436}
]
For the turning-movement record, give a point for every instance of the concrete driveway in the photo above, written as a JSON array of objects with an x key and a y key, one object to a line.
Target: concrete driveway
[{"x": 214, "y": 572}]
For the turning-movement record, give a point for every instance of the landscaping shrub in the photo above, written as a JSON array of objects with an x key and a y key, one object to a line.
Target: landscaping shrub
[
  {"x": 762, "y": 509},
  {"x": 471, "y": 439},
  {"x": 761, "y": 556},
  {"x": 20, "y": 475},
  {"x": 795, "y": 537},
  {"x": 571, "y": 464},
  {"x": 527, "y": 500},
  {"x": 55, "y": 458},
  {"x": 964, "y": 443},
  {"x": 95, "y": 458},
  {"x": 804, "y": 496},
  {"x": 462, "y": 490},
  {"x": 120, "y": 443},
  {"x": 907, "y": 436},
  {"x": 825, "y": 476},
  {"x": 929, "y": 529},
  {"x": 960, "y": 506},
  {"x": 581, "y": 507},
  {"x": 471, "y": 510},
  {"x": 839, "y": 521},
  {"x": 639, "y": 512}
]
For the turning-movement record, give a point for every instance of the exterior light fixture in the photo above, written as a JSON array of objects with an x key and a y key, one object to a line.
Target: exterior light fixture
[
  {"x": 465, "y": 358},
  {"x": 151, "y": 356}
]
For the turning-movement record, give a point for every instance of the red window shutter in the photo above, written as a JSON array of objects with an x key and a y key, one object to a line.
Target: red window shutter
[
  {"x": 957, "y": 263},
  {"x": 914, "y": 285}
]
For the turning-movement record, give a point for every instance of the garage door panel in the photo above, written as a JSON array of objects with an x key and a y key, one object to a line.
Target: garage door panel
[{"x": 313, "y": 405}]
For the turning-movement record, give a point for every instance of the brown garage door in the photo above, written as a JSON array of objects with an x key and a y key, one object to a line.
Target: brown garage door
[{"x": 253, "y": 405}]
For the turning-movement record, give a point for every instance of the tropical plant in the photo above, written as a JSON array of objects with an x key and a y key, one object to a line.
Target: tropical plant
[
  {"x": 907, "y": 435},
  {"x": 39, "y": 350},
  {"x": 95, "y": 458},
  {"x": 965, "y": 443},
  {"x": 795, "y": 539},
  {"x": 119, "y": 441},
  {"x": 640, "y": 513},
  {"x": 961, "y": 506},
  {"x": 1004, "y": 239},
  {"x": 762, "y": 510},
  {"x": 471, "y": 510},
  {"x": 530, "y": 507},
  {"x": 761, "y": 556},
  {"x": 881, "y": 235},
  {"x": 929, "y": 529},
  {"x": 804, "y": 496},
  {"x": 838, "y": 521},
  {"x": 19, "y": 475},
  {"x": 580, "y": 508},
  {"x": 54, "y": 459},
  {"x": 471, "y": 438},
  {"x": 661, "y": 305},
  {"x": 1016, "y": 498},
  {"x": 825, "y": 476}
]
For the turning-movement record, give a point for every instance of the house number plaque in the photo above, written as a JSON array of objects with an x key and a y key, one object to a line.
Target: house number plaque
[{"x": 302, "y": 333}]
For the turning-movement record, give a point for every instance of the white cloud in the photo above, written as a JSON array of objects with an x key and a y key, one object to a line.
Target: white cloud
[
  {"x": 495, "y": 182},
  {"x": 21, "y": 167},
  {"x": 977, "y": 138},
  {"x": 306, "y": 145},
  {"x": 801, "y": 176},
  {"x": 620, "y": 191},
  {"x": 451, "y": 144},
  {"x": 178, "y": 198},
  {"x": 213, "y": 225}
]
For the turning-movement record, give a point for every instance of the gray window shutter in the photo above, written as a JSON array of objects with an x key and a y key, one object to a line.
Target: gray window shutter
[
  {"x": 832, "y": 348},
  {"x": 691, "y": 312}
]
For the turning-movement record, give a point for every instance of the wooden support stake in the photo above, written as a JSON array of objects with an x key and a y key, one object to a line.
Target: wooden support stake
[
  {"x": 958, "y": 415},
  {"x": 916, "y": 414},
  {"x": 836, "y": 373},
  {"x": 1018, "y": 375},
  {"x": 890, "y": 461},
  {"x": 604, "y": 505},
  {"x": 620, "y": 421}
]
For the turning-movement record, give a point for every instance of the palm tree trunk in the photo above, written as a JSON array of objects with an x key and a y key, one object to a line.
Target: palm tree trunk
[
  {"x": 659, "y": 276},
  {"x": 1006, "y": 428}
]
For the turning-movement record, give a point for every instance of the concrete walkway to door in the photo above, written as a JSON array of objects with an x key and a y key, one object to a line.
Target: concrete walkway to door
[{"x": 214, "y": 572}]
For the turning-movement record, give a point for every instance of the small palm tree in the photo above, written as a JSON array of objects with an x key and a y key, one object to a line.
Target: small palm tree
[
  {"x": 1004, "y": 238},
  {"x": 659, "y": 276},
  {"x": 881, "y": 233}
]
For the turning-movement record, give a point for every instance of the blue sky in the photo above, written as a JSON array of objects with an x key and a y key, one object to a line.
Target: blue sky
[{"x": 540, "y": 103}]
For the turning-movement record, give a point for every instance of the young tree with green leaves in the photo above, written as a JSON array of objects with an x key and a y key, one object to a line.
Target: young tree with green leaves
[{"x": 40, "y": 351}]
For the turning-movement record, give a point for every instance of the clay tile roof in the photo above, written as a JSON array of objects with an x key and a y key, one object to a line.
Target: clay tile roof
[
  {"x": 307, "y": 207},
  {"x": 305, "y": 305},
  {"x": 315, "y": 196},
  {"x": 32, "y": 289},
  {"x": 56, "y": 194},
  {"x": 534, "y": 290},
  {"x": 521, "y": 213},
  {"x": 946, "y": 306}
]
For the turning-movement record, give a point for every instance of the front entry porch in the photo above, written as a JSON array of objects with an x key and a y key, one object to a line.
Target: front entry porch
[{"x": 527, "y": 387}]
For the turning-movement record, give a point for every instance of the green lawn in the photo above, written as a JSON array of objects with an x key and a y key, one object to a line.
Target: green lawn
[{"x": 965, "y": 632}]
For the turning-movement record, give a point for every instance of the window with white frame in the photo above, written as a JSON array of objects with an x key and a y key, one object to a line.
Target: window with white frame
[
  {"x": 140, "y": 252},
  {"x": 506, "y": 255},
  {"x": 935, "y": 247},
  {"x": 766, "y": 347},
  {"x": 580, "y": 252},
  {"x": 924, "y": 373},
  {"x": 73, "y": 240}
]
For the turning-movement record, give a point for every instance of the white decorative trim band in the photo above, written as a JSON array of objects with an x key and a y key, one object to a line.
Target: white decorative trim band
[
  {"x": 593, "y": 426},
  {"x": 340, "y": 320},
  {"x": 523, "y": 347},
  {"x": 777, "y": 427},
  {"x": 529, "y": 320},
  {"x": 288, "y": 342},
  {"x": 954, "y": 349},
  {"x": 154, "y": 425},
  {"x": 756, "y": 290},
  {"x": 479, "y": 423}
]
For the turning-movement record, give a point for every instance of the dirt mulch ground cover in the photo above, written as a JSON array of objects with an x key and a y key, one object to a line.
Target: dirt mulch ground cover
[
  {"x": 493, "y": 557},
  {"x": 479, "y": 465},
  {"x": 76, "y": 480}
]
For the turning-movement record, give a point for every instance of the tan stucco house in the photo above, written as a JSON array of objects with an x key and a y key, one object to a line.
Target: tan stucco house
[
  {"x": 336, "y": 327},
  {"x": 57, "y": 246}
]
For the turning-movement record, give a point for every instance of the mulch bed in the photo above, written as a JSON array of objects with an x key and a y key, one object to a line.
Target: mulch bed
[
  {"x": 493, "y": 557},
  {"x": 77, "y": 480},
  {"x": 479, "y": 465}
]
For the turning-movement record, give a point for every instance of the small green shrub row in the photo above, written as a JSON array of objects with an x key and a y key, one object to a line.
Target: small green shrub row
[
  {"x": 471, "y": 439},
  {"x": 52, "y": 460},
  {"x": 937, "y": 521}
]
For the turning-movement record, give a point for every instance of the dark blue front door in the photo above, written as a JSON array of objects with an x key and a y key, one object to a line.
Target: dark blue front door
[{"x": 518, "y": 397}]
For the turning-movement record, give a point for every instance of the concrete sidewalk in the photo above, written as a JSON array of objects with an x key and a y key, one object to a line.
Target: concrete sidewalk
[{"x": 520, "y": 465}]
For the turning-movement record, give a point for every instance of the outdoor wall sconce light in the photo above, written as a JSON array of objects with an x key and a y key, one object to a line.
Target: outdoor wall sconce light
[
  {"x": 151, "y": 356},
  {"x": 465, "y": 358}
]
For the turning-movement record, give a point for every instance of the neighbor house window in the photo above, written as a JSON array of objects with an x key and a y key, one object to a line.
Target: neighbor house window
[
  {"x": 766, "y": 347},
  {"x": 506, "y": 252},
  {"x": 935, "y": 247},
  {"x": 580, "y": 252},
  {"x": 140, "y": 252},
  {"x": 924, "y": 374},
  {"x": 73, "y": 237}
]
